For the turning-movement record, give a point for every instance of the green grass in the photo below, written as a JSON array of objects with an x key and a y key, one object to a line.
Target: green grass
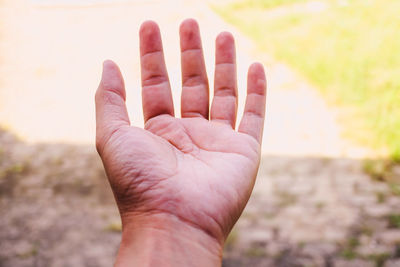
[
  {"x": 382, "y": 170},
  {"x": 350, "y": 52},
  {"x": 348, "y": 251},
  {"x": 395, "y": 189},
  {"x": 394, "y": 220},
  {"x": 379, "y": 258}
]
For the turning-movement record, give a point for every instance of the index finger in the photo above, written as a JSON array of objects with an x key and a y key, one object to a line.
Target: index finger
[{"x": 156, "y": 90}]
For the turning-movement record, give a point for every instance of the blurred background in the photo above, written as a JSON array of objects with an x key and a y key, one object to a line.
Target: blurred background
[{"x": 328, "y": 189}]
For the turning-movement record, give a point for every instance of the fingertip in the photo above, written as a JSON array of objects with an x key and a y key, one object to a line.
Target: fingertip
[
  {"x": 148, "y": 26},
  {"x": 257, "y": 81},
  {"x": 189, "y": 32},
  {"x": 224, "y": 39},
  {"x": 111, "y": 79},
  {"x": 225, "y": 48},
  {"x": 257, "y": 69},
  {"x": 188, "y": 25},
  {"x": 108, "y": 64},
  {"x": 150, "y": 37},
  {"x": 110, "y": 69}
]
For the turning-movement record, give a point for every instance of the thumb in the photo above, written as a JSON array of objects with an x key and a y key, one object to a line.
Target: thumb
[{"x": 111, "y": 113}]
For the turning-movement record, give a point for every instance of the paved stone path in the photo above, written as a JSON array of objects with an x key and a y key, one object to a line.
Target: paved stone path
[
  {"x": 312, "y": 204},
  {"x": 318, "y": 212},
  {"x": 57, "y": 210}
]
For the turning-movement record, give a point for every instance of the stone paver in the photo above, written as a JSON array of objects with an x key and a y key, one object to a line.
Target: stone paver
[
  {"x": 353, "y": 263},
  {"x": 317, "y": 212},
  {"x": 392, "y": 263}
]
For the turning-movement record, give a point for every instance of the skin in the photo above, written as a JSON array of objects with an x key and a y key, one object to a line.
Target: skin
[{"x": 180, "y": 183}]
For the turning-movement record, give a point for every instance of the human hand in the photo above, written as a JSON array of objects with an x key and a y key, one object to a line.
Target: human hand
[{"x": 184, "y": 179}]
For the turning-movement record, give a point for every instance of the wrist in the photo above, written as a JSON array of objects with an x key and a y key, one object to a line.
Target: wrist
[{"x": 165, "y": 240}]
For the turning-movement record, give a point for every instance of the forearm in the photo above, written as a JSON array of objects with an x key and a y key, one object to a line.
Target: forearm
[{"x": 164, "y": 240}]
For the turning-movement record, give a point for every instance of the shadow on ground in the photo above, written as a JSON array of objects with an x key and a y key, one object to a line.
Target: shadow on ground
[{"x": 57, "y": 210}]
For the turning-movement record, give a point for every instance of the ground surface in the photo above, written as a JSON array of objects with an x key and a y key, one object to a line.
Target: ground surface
[
  {"x": 57, "y": 210},
  {"x": 312, "y": 205}
]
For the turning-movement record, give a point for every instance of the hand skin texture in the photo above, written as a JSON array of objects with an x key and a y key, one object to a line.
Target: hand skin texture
[{"x": 180, "y": 183}]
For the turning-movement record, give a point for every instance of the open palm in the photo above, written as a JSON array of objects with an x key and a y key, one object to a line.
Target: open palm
[{"x": 197, "y": 168}]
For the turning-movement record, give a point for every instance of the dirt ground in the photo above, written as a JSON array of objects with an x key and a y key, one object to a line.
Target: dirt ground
[
  {"x": 313, "y": 204},
  {"x": 57, "y": 210}
]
